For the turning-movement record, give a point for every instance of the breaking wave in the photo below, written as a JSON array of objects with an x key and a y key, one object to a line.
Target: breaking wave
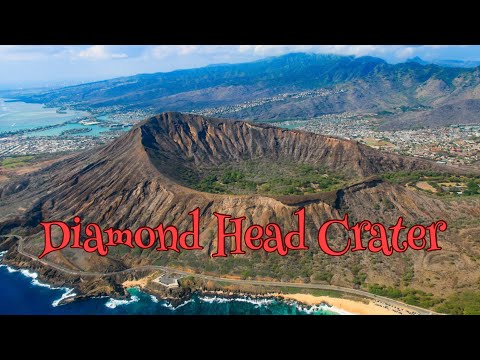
[
  {"x": 68, "y": 292},
  {"x": 209, "y": 299},
  {"x": 268, "y": 301},
  {"x": 313, "y": 309},
  {"x": 113, "y": 303},
  {"x": 245, "y": 299},
  {"x": 173, "y": 308}
]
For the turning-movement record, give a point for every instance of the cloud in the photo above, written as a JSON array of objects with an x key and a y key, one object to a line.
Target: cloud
[
  {"x": 187, "y": 49},
  {"x": 257, "y": 51},
  {"x": 160, "y": 51},
  {"x": 43, "y": 63},
  {"x": 357, "y": 50},
  {"x": 26, "y": 52},
  {"x": 164, "y": 51},
  {"x": 100, "y": 52},
  {"x": 391, "y": 53},
  {"x": 47, "y": 52},
  {"x": 172, "y": 56},
  {"x": 405, "y": 52},
  {"x": 236, "y": 53},
  {"x": 439, "y": 46}
]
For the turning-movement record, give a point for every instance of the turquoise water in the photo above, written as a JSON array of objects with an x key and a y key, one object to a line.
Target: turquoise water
[
  {"x": 22, "y": 293},
  {"x": 20, "y": 116},
  {"x": 96, "y": 130}
]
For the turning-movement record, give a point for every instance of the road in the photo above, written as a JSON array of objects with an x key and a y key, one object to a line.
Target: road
[{"x": 357, "y": 292}]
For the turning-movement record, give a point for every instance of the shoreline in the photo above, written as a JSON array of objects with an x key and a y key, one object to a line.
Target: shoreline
[
  {"x": 74, "y": 112},
  {"x": 69, "y": 296},
  {"x": 341, "y": 306},
  {"x": 68, "y": 292},
  {"x": 354, "y": 307}
]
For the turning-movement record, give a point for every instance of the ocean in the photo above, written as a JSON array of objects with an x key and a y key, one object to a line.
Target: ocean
[
  {"x": 20, "y": 116},
  {"x": 22, "y": 294}
]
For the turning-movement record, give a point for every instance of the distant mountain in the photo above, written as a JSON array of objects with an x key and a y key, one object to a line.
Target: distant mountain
[
  {"x": 446, "y": 63},
  {"x": 292, "y": 72},
  {"x": 360, "y": 84},
  {"x": 417, "y": 60},
  {"x": 457, "y": 63}
]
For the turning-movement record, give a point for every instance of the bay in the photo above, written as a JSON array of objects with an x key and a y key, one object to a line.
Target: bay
[{"x": 18, "y": 115}]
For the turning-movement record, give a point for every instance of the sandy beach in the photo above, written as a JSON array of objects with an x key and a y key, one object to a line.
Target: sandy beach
[
  {"x": 339, "y": 305},
  {"x": 350, "y": 306}
]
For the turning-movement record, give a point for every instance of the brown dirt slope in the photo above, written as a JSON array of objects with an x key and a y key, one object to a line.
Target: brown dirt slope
[{"x": 134, "y": 182}]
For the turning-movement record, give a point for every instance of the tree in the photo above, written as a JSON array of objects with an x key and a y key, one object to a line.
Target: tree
[{"x": 472, "y": 188}]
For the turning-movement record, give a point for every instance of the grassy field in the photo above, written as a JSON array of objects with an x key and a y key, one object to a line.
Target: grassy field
[
  {"x": 437, "y": 183},
  {"x": 15, "y": 161}
]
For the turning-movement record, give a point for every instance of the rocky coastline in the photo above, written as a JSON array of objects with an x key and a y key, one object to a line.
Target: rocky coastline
[{"x": 86, "y": 287}]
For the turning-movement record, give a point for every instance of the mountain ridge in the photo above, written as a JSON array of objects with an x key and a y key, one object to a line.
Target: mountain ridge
[{"x": 360, "y": 84}]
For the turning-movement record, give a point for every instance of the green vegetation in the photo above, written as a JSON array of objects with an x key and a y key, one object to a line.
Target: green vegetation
[
  {"x": 187, "y": 281},
  {"x": 408, "y": 296},
  {"x": 400, "y": 177},
  {"x": 258, "y": 265},
  {"x": 314, "y": 292},
  {"x": 385, "y": 112},
  {"x": 15, "y": 161},
  {"x": 267, "y": 178},
  {"x": 408, "y": 276},
  {"x": 409, "y": 273},
  {"x": 358, "y": 276},
  {"x": 464, "y": 303},
  {"x": 473, "y": 188},
  {"x": 323, "y": 276},
  {"x": 443, "y": 183}
]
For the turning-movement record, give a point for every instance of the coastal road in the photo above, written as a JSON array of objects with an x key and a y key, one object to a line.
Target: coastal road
[{"x": 357, "y": 292}]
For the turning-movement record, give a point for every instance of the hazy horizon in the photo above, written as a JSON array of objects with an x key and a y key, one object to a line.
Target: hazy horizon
[{"x": 27, "y": 66}]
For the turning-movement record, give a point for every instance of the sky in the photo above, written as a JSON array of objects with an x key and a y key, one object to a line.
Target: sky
[{"x": 23, "y": 66}]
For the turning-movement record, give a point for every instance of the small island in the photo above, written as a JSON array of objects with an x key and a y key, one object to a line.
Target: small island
[{"x": 75, "y": 131}]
